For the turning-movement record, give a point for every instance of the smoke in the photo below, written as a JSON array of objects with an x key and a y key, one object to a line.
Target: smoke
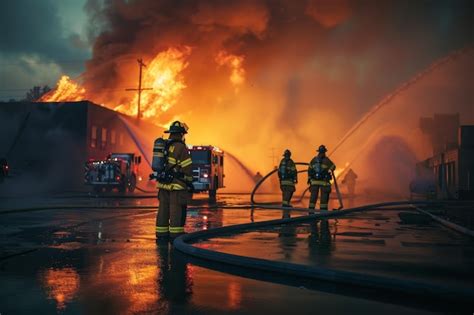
[
  {"x": 284, "y": 74},
  {"x": 40, "y": 158}
]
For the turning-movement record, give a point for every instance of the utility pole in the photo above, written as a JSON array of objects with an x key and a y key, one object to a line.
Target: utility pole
[{"x": 141, "y": 65}]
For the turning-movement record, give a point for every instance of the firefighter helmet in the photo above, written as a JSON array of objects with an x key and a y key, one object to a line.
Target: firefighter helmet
[
  {"x": 178, "y": 127},
  {"x": 322, "y": 149},
  {"x": 287, "y": 153}
]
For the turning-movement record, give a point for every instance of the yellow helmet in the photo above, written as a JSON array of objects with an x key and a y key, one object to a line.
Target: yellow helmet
[{"x": 177, "y": 127}]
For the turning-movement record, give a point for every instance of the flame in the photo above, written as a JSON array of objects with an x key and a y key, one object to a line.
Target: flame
[
  {"x": 162, "y": 76},
  {"x": 235, "y": 63},
  {"x": 66, "y": 91}
]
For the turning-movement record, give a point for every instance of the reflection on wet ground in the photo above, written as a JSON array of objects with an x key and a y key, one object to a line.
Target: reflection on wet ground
[
  {"x": 401, "y": 244},
  {"x": 108, "y": 262}
]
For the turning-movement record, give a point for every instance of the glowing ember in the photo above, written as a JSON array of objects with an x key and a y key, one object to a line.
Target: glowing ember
[
  {"x": 66, "y": 91},
  {"x": 234, "y": 62}
]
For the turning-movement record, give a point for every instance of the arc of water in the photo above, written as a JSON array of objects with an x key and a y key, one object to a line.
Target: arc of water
[{"x": 388, "y": 98}]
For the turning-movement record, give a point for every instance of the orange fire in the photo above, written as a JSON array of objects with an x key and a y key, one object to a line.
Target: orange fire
[
  {"x": 62, "y": 285},
  {"x": 163, "y": 75},
  {"x": 162, "y": 78},
  {"x": 235, "y": 63},
  {"x": 66, "y": 91}
]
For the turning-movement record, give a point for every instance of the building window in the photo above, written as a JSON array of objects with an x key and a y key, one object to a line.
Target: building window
[
  {"x": 103, "y": 143},
  {"x": 93, "y": 136},
  {"x": 121, "y": 139},
  {"x": 113, "y": 137}
]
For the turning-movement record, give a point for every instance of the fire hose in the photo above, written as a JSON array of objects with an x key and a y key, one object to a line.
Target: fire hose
[{"x": 379, "y": 284}]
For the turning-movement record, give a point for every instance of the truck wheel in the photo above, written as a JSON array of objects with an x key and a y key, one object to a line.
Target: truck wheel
[{"x": 132, "y": 184}]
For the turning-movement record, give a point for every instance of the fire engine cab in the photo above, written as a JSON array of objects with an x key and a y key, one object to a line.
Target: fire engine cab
[
  {"x": 119, "y": 170},
  {"x": 208, "y": 169}
]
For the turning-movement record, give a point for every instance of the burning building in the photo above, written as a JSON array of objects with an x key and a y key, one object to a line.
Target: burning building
[
  {"x": 452, "y": 163},
  {"x": 47, "y": 144}
]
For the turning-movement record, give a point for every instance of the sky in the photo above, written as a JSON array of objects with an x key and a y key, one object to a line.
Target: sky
[
  {"x": 40, "y": 40},
  {"x": 43, "y": 39}
]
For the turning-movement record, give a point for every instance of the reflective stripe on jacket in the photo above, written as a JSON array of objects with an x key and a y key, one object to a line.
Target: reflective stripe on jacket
[
  {"x": 180, "y": 160},
  {"x": 326, "y": 164}
]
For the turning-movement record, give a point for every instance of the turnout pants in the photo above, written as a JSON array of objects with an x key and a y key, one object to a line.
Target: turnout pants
[
  {"x": 324, "y": 200},
  {"x": 171, "y": 215},
  {"x": 287, "y": 192}
]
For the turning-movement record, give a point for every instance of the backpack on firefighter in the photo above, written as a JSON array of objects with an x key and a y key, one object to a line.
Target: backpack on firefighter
[
  {"x": 159, "y": 164},
  {"x": 284, "y": 172},
  {"x": 316, "y": 170}
]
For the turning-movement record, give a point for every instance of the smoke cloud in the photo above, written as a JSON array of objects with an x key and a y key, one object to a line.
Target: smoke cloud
[{"x": 285, "y": 74}]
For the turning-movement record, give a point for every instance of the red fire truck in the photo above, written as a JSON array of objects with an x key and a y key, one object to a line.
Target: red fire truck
[
  {"x": 119, "y": 170},
  {"x": 208, "y": 169}
]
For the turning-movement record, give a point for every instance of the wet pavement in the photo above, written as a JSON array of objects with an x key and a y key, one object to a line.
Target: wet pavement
[{"x": 106, "y": 261}]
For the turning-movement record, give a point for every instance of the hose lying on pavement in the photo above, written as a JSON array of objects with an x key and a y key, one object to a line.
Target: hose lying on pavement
[
  {"x": 264, "y": 178},
  {"x": 391, "y": 285}
]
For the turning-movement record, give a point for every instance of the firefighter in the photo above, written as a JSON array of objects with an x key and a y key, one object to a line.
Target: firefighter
[
  {"x": 288, "y": 177},
  {"x": 350, "y": 181},
  {"x": 173, "y": 193},
  {"x": 319, "y": 179}
]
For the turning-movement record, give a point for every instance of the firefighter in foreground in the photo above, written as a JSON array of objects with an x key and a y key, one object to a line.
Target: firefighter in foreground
[
  {"x": 319, "y": 178},
  {"x": 172, "y": 166},
  {"x": 288, "y": 177}
]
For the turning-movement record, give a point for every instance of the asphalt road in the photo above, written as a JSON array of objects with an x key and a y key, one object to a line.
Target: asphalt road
[{"x": 106, "y": 261}]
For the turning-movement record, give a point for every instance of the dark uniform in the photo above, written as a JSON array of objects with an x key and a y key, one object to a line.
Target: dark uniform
[
  {"x": 173, "y": 196},
  {"x": 319, "y": 179},
  {"x": 288, "y": 178}
]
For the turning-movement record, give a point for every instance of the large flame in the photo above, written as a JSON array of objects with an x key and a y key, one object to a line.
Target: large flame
[
  {"x": 66, "y": 91},
  {"x": 163, "y": 82}
]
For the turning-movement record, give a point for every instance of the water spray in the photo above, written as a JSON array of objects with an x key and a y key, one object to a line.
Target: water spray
[{"x": 402, "y": 88}]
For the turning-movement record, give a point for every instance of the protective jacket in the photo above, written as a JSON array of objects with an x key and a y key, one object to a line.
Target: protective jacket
[
  {"x": 179, "y": 164},
  {"x": 287, "y": 172},
  {"x": 319, "y": 171}
]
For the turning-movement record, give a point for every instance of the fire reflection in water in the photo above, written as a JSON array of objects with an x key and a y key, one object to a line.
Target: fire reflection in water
[
  {"x": 175, "y": 279},
  {"x": 61, "y": 285}
]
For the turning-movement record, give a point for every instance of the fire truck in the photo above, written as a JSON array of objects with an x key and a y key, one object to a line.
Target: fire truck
[
  {"x": 119, "y": 170},
  {"x": 208, "y": 169}
]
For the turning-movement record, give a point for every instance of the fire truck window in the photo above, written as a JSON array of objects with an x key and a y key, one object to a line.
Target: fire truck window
[
  {"x": 215, "y": 160},
  {"x": 113, "y": 137},
  {"x": 221, "y": 158},
  {"x": 200, "y": 157},
  {"x": 93, "y": 136},
  {"x": 103, "y": 138}
]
